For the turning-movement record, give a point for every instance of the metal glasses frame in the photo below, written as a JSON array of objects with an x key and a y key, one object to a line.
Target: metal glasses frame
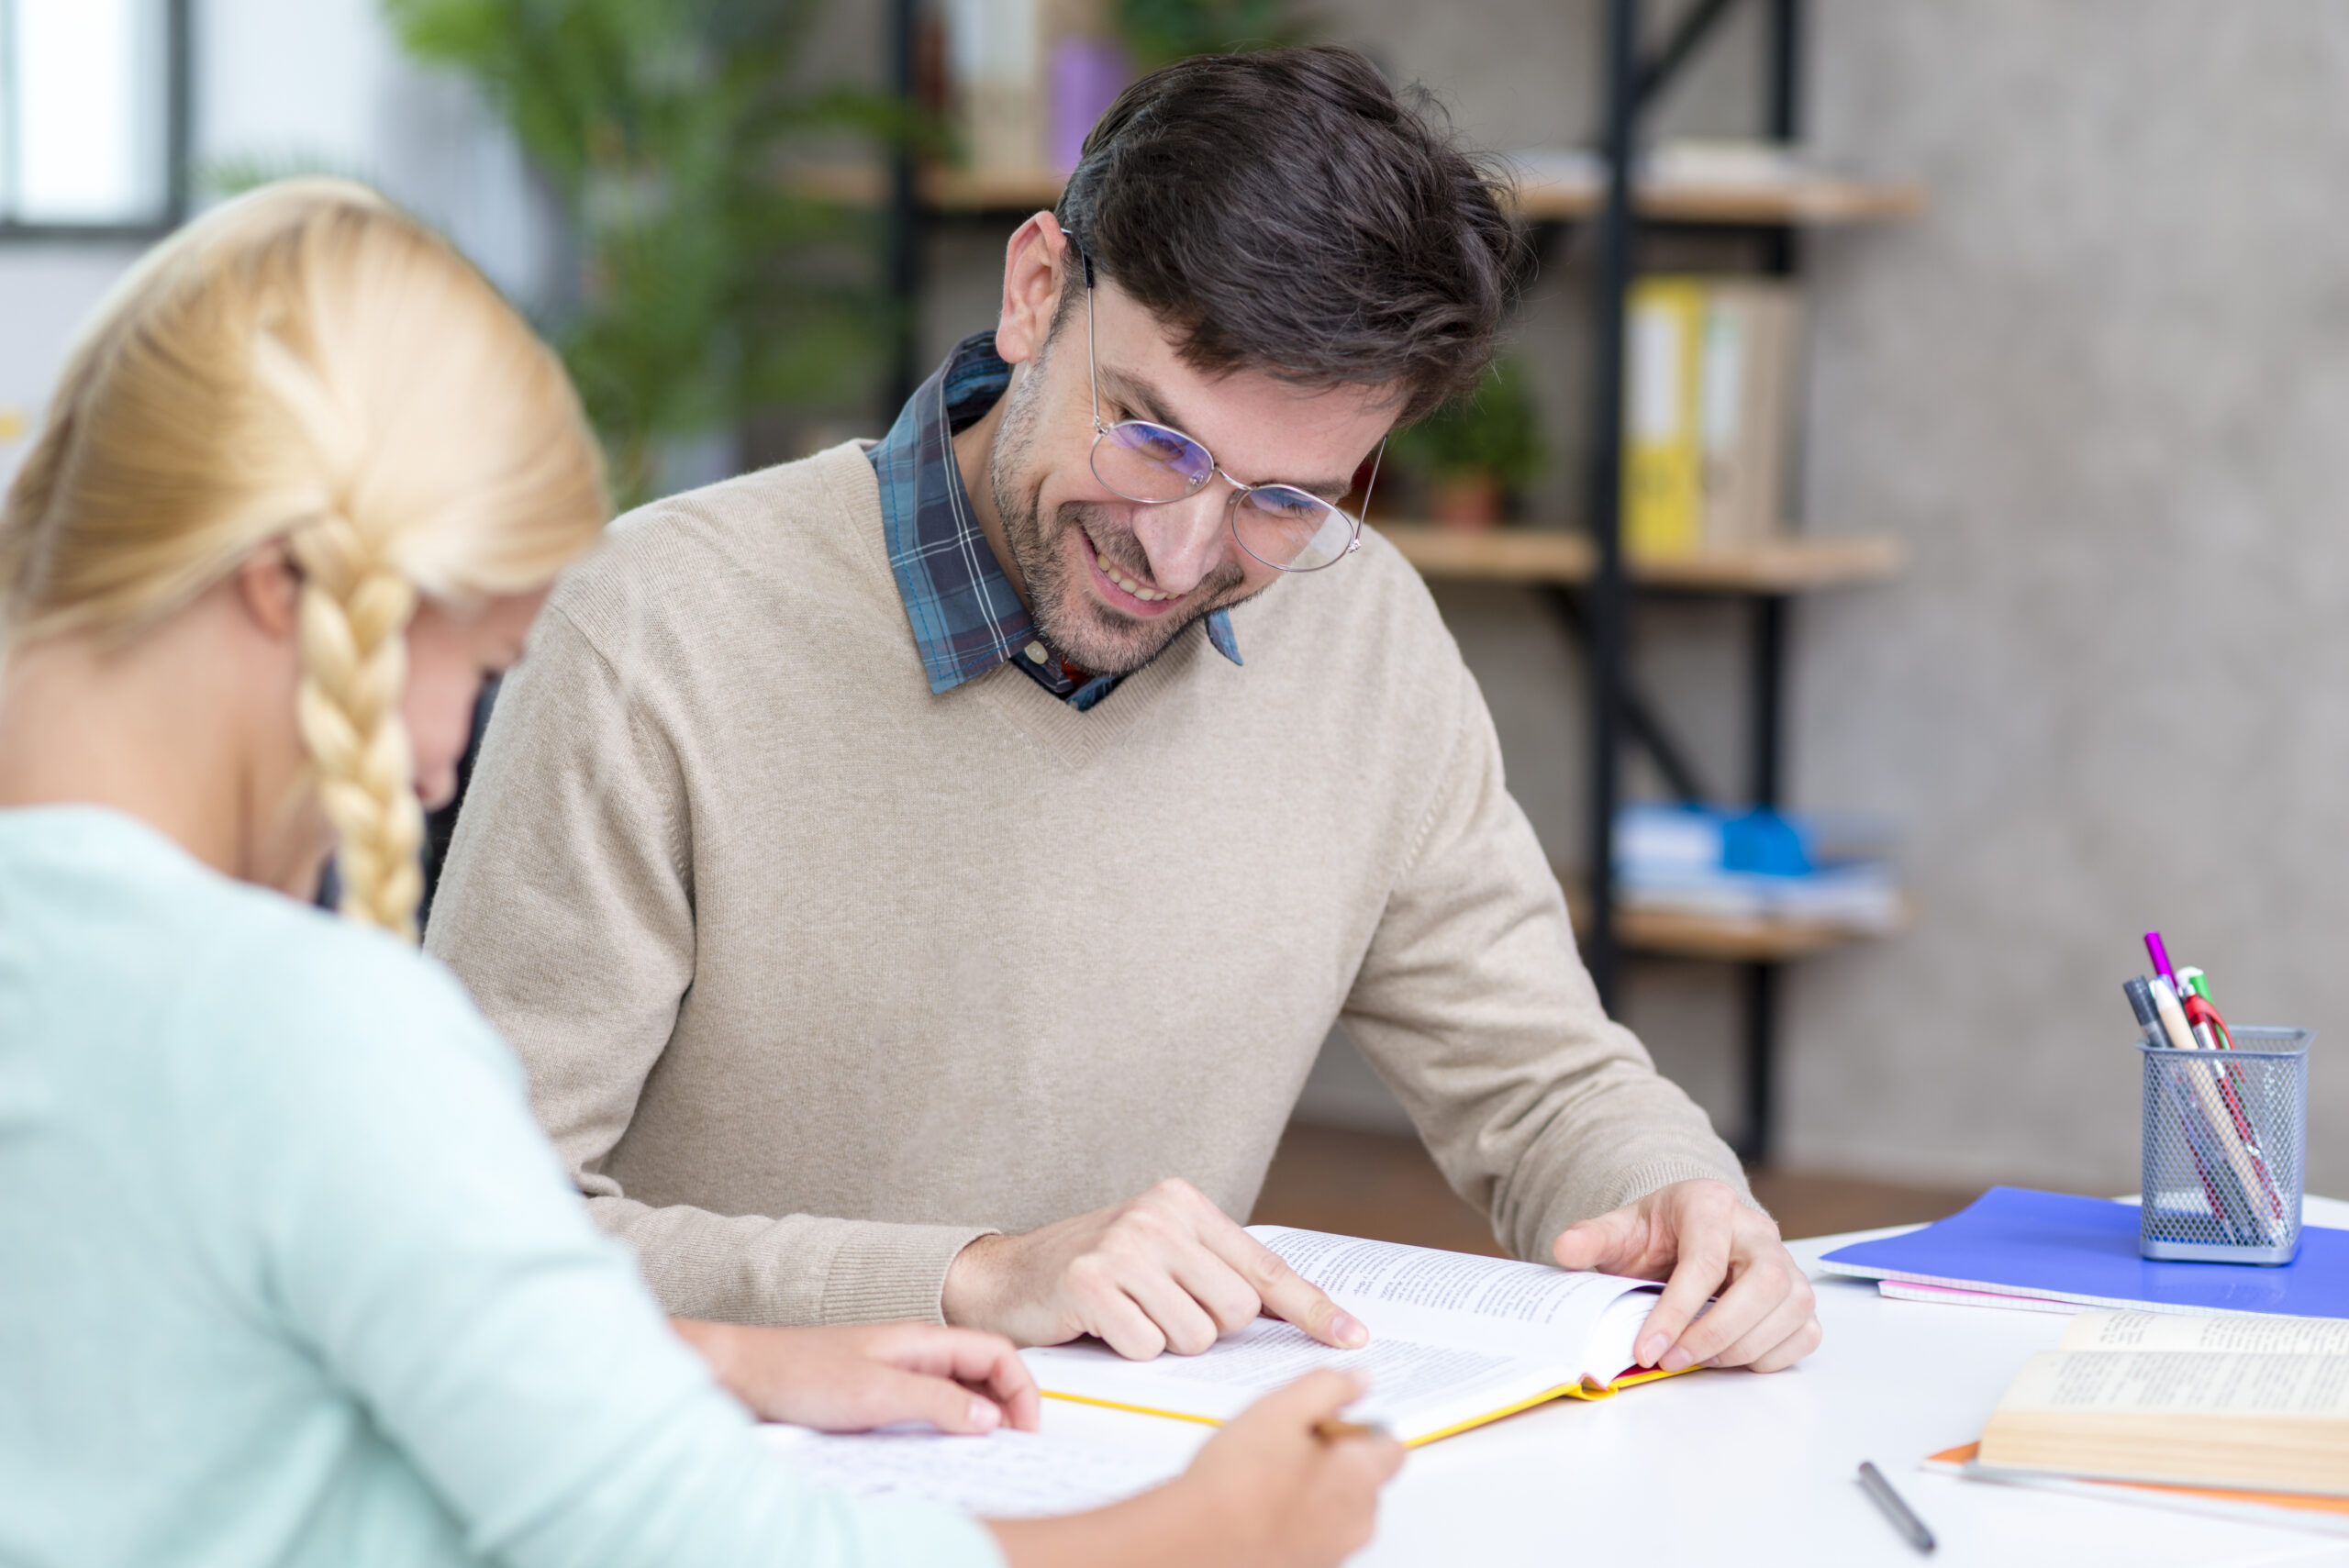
[{"x": 1239, "y": 487}]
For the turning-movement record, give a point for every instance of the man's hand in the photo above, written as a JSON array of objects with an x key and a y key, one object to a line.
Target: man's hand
[
  {"x": 1698, "y": 1237},
  {"x": 1167, "y": 1271},
  {"x": 860, "y": 1376}
]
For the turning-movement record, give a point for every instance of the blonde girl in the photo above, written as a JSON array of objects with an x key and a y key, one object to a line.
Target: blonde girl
[{"x": 287, "y": 1274}]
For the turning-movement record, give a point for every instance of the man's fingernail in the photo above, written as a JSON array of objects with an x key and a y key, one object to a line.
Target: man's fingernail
[
  {"x": 1651, "y": 1348},
  {"x": 1676, "y": 1358},
  {"x": 1347, "y": 1331},
  {"x": 984, "y": 1416}
]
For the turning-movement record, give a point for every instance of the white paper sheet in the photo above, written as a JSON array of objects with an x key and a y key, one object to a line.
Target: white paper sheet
[{"x": 1005, "y": 1475}]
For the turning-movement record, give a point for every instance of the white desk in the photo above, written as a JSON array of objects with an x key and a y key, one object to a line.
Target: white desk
[{"x": 1741, "y": 1471}]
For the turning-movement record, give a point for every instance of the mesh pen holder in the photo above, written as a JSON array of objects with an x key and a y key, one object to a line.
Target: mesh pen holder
[{"x": 2226, "y": 1141}]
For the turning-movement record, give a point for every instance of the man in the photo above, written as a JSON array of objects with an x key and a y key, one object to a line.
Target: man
[{"x": 909, "y": 904}]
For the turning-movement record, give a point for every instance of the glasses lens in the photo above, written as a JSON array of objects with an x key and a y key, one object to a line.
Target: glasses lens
[
  {"x": 1292, "y": 529},
  {"x": 1144, "y": 462}
]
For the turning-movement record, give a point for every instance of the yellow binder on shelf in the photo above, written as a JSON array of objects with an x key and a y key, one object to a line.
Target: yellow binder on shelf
[{"x": 1663, "y": 459}]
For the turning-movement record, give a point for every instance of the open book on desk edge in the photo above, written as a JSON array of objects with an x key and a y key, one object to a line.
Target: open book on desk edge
[
  {"x": 2296, "y": 1510},
  {"x": 1456, "y": 1342},
  {"x": 2237, "y": 1415}
]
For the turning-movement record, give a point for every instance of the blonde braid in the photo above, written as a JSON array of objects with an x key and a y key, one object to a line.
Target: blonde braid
[
  {"x": 354, "y": 621},
  {"x": 356, "y": 609}
]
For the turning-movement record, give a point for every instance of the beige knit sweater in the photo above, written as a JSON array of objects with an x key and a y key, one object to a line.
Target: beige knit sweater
[{"x": 819, "y": 976}]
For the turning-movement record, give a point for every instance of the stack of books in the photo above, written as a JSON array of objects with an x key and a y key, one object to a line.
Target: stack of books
[{"x": 1825, "y": 869}]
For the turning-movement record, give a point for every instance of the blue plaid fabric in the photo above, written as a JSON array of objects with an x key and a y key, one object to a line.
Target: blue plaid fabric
[{"x": 965, "y": 617}]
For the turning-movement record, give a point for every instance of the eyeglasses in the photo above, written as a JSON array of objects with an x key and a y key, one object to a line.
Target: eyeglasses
[{"x": 1280, "y": 525}]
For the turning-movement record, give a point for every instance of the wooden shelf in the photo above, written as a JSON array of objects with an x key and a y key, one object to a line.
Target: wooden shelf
[
  {"x": 1739, "y": 940},
  {"x": 1732, "y": 940},
  {"x": 1791, "y": 563},
  {"x": 1805, "y": 198}
]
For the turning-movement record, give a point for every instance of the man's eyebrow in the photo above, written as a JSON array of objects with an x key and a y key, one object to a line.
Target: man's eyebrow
[{"x": 1140, "y": 395}]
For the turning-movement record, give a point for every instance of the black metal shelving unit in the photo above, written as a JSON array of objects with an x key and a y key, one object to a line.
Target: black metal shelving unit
[{"x": 1631, "y": 87}]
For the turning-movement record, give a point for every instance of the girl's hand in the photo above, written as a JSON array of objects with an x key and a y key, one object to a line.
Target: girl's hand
[
  {"x": 1268, "y": 1490},
  {"x": 858, "y": 1376}
]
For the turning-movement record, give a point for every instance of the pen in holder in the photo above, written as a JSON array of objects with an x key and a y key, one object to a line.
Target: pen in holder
[{"x": 2226, "y": 1141}]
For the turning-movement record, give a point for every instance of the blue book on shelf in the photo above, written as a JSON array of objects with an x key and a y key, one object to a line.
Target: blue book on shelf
[{"x": 2064, "y": 1248}]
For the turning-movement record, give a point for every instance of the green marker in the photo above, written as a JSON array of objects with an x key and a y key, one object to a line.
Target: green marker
[{"x": 2191, "y": 982}]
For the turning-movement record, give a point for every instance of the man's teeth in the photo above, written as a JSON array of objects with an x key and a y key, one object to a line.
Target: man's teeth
[{"x": 1148, "y": 596}]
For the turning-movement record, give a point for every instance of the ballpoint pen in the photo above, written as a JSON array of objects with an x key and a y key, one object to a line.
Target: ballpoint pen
[
  {"x": 2211, "y": 1032},
  {"x": 1887, "y": 1501},
  {"x": 2229, "y": 1203},
  {"x": 2220, "y": 1112}
]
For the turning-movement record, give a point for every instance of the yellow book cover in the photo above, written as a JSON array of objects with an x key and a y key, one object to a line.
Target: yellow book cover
[
  {"x": 1663, "y": 451},
  {"x": 1456, "y": 1342}
]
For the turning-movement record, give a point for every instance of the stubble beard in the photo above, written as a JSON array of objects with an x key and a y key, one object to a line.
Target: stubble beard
[{"x": 1076, "y": 624}]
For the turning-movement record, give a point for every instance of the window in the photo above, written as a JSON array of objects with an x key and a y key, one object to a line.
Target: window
[{"x": 93, "y": 101}]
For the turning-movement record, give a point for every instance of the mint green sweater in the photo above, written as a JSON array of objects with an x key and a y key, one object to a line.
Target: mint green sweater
[{"x": 288, "y": 1276}]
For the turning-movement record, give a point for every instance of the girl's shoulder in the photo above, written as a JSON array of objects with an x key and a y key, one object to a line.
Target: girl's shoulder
[{"x": 111, "y": 933}]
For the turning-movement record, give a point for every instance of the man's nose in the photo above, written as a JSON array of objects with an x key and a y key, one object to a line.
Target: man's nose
[{"x": 1183, "y": 540}]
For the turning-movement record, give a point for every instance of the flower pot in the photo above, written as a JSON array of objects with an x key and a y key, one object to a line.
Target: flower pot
[{"x": 1467, "y": 501}]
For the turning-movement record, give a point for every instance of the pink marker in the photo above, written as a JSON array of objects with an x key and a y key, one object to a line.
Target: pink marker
[{"x": 2160, "y": 955}]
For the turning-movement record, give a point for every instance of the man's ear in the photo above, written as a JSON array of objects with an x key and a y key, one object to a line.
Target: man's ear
[
  {"x": 270, "y": 590},
  {"x": 1034, "y": 268}
]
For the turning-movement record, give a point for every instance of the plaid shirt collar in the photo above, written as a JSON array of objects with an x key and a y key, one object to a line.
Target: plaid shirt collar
[{"x": 966, "y": 620}]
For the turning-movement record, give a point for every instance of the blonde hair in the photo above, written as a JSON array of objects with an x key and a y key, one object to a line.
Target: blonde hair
[{"x": 306, "y": 364}]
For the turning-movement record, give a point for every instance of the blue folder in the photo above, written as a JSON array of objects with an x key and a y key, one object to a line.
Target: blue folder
[{"x": 2085, "y": 1250}]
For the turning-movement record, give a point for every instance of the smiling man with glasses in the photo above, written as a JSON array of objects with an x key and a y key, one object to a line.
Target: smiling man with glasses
[{"x": 909, "y": 904}]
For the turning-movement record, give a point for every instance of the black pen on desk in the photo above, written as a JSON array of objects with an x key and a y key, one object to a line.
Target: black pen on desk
[{"x": 1888, "y": 1502}]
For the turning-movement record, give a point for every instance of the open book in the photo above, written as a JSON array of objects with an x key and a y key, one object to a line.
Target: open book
[
  {"x": 1455, "y": 1341},
  {"x": 2231, "y": 1401}
]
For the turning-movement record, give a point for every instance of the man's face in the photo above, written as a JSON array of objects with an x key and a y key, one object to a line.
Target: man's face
[{"x": 1112, "y": 581}]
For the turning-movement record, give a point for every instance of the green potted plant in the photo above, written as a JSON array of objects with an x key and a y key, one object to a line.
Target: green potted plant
[
  {"x": 710, "y": 284},
  {"x": 1160, "y": 32},
  {"x": 1476, "y": 455}
]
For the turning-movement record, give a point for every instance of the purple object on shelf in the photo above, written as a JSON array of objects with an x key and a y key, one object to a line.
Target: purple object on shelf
[{"x": 1088, "y": 76}]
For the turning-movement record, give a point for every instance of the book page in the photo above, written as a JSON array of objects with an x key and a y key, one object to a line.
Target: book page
[
  {"x": 2148, "y": 1381},
  {"x": 1006, "y": 1475},
  {"x": 2257, "y": 1333},
  {"x": 1456, "y": 1297},
  {"x": 1407, "y": 1375}
]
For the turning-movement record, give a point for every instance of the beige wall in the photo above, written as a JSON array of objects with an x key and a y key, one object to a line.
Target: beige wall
[{"x": 2103, "y": 392}]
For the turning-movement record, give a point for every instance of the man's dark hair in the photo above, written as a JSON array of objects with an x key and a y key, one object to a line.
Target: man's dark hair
[{"x": 1286, "y": 212}]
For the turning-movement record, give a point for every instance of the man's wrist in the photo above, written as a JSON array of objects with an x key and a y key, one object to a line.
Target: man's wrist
[{"x": 966, "y": 1295}]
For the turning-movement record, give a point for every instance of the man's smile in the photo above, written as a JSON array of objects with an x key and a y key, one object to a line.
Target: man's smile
[{"x": 1119, "y": 588}]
